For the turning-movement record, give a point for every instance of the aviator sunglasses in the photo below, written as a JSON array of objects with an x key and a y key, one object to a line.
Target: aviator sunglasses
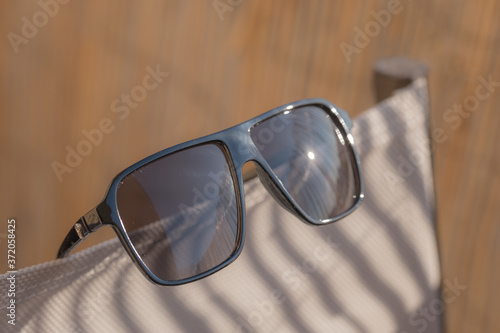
[{"x": 180, "y": 213}]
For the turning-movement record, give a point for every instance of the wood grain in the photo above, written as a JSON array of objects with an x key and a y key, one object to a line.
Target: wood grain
[{"x": 64, "y": 79}]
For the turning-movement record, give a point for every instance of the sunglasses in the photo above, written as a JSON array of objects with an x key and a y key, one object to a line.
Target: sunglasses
[{"x": 180, "y": 213}]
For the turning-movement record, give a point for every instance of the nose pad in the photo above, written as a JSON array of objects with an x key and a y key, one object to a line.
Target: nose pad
[{"x": 273, "y": 189}]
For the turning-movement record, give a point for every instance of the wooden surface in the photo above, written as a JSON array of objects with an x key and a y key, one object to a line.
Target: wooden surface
[{"x": 65, "y": 77}]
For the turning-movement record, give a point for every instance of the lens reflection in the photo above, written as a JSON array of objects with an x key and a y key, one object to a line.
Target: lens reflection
[
  {"x": 180, "y": 212},
  {"x": 308, "y": 154}
]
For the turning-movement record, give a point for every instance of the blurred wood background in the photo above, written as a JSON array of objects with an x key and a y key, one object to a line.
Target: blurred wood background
[{"x": 65, "y": 71}]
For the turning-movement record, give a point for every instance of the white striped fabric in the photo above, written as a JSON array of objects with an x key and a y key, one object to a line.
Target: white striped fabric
[{"x": 375, "y": 271}]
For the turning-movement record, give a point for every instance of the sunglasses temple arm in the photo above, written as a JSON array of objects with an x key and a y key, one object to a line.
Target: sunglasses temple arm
[{"x": 86, "y": 225}]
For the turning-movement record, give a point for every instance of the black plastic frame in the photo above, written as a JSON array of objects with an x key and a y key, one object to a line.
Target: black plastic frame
[{"x": 232, "y": 140}]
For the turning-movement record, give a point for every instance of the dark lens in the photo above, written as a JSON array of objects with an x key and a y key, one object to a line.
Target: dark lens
[
  {"x": 312, "y": 158},
  {"x": 180, "y": 212}
]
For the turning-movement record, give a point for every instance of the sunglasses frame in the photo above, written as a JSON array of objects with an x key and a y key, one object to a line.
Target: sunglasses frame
[{"x": 231, "y": 140}]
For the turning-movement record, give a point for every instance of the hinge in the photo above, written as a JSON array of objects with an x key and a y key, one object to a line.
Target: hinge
[
  {"x": 88, "y": 223},
  {"x": 93, "y": 220}
]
